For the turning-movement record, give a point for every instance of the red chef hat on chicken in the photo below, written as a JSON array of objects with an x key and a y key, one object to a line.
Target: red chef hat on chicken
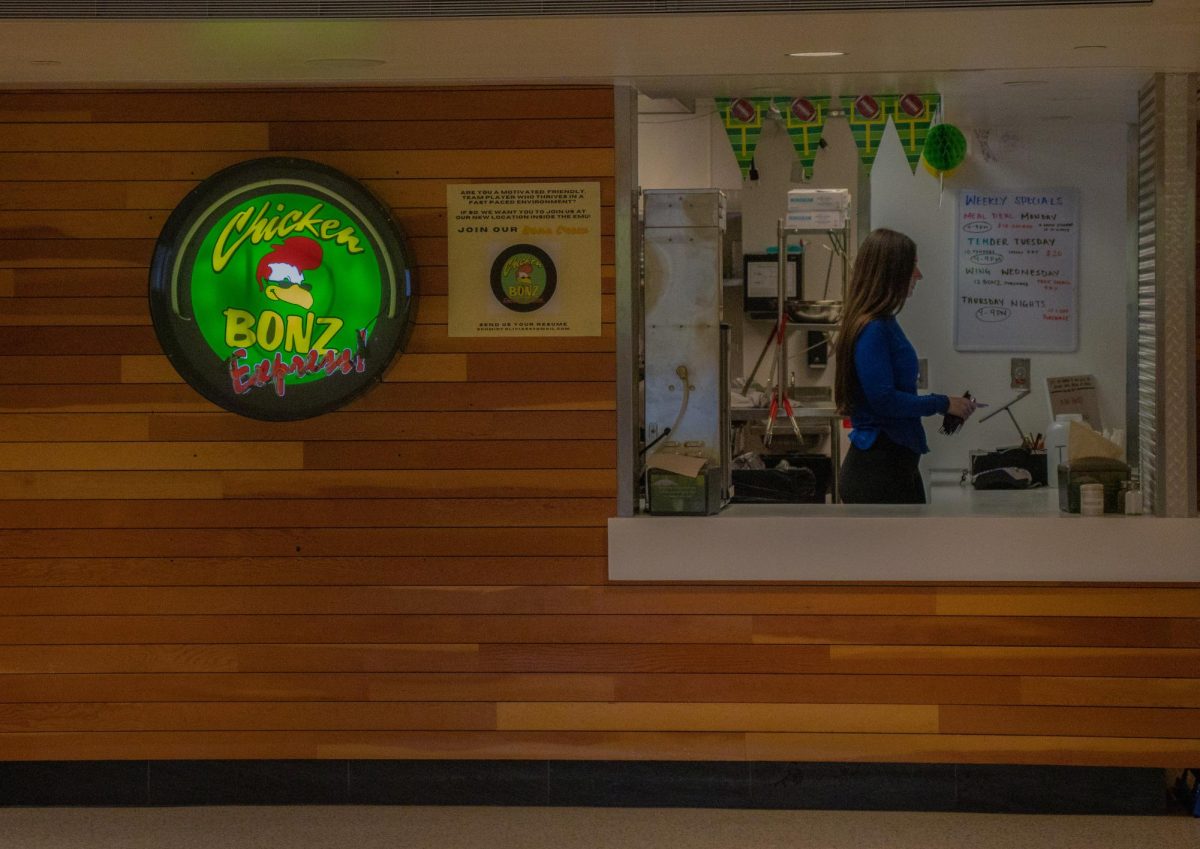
[{"x": 280, "y": 274}]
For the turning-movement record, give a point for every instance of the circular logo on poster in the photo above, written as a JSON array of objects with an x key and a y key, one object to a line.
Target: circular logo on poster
[
  {"x": 524, "y": 278},
  {"x": 280, "y": 289}
]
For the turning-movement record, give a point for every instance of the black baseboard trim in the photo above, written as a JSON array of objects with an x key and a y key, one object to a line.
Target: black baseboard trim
[{"x": 641, "y": 784}]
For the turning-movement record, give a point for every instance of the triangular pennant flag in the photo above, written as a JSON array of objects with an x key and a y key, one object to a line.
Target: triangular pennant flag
[
  {"x": 867, "y": 119},
  {"x": 743, "y": 118},
  {"x": 804, "y": 118},
  {"x": 912, "y": 115}
]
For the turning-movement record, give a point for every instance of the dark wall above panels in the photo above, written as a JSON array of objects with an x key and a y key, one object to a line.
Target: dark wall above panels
[{"x": 196, "y": 9}]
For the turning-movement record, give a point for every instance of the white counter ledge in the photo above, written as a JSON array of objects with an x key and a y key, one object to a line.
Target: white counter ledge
[{"x": 961, "y": 535}]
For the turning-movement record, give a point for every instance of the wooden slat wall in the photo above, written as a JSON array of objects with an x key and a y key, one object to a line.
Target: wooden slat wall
[{"x": 422, "y": 575}]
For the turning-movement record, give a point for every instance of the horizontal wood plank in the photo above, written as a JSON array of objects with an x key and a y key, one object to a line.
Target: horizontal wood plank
[
  {"x": 498, "y": 164},
  {"x": 980, "y": 630},
  {"x": 339, "y": 513},
  {"x": 1095, "y": 601},
  {"x": 578, "y": 687},
  {"x": 451, "y": 134},
  {"x": 300, "y": 540},
  {"x": 617, "y": 746},
  {"x": 284, "y": 135},
  {"x": 146, "y": 136},
  {"x": 1072, "y": 721},
  {"x": 543, "y": 658},
  {"x": 467, "y": 103},
  {"x": 243, "y": 570},
  {"x": 73, "y": 283},
  {"x": 434, "y": 397},
  {"x": 137, "y": 456},
  {"x": 172, "y": 659},
  {"x": 255, "y": 716},
  {"x": 348, "y": 427},
  {"x": 877, "y": 660},
  {"x": 286, "y": 687},
  {"x": 157, "y": 194},
  {"x": 440, "y": 745},
  {"x": 370, "y": 483},
  {"x": 81, "y": 630},
  {"x": 106, "y": 340},
  {"x": 668, "y": 716},
  {"x": 913, "y": 689}
]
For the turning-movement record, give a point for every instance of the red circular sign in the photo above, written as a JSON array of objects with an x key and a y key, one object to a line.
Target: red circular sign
[
  {"x": 742, "y": 109},
  {"x": 867, "y": 107},
  {"x": 913, "y": 104},
  {"x": 803, "y": 109}
]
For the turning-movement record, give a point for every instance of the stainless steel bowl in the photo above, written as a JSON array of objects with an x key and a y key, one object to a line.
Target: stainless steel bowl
[{"x": 822, "y": 312}]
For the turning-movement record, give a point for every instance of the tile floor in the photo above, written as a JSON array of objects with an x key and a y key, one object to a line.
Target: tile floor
[{"x": 572, "y": 828}]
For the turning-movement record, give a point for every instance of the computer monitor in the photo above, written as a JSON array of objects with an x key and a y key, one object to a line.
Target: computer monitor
[{"x": 760, "y": 281}]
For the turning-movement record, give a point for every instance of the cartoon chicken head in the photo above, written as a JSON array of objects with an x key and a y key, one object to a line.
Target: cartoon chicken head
[{"x": 280, "y": 273}]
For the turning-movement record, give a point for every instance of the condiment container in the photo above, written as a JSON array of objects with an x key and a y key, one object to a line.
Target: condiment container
[
  {"x": 1056, "y": 442},
  {"x": 1091, "y": 499}
]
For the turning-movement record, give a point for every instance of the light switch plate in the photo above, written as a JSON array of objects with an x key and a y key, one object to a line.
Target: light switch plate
[
  {"x": 1019, "y": 372},
  {"x": 922, "y": 373}
]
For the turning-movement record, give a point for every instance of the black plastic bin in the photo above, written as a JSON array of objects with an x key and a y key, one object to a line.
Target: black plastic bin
[{"x": 805, "y": 482}]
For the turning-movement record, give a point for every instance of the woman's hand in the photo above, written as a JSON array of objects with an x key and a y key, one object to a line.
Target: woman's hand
[{"x": 961, "y": 407}]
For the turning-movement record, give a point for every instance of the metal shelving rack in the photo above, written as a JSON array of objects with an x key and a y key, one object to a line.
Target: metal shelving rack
[{"x": 778, "y": 391}]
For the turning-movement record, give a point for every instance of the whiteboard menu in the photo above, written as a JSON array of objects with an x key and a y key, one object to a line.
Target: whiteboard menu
[{"x": 1016, "y": 270}]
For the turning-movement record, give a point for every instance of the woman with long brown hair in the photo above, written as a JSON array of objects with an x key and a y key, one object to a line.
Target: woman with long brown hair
[{"x": 876, "y": 380}]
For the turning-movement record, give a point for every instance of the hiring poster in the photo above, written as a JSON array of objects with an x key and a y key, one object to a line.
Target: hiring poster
[{"x": 524, "y": 259}]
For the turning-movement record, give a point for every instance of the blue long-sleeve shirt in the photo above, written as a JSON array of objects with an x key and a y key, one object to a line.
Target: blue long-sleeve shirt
[{"x": 887, "y": 401}]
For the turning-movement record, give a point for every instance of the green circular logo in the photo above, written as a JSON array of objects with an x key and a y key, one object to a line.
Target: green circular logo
[
  {"x": 280, "y": 289},
  {"x": 523, "y": 278}
]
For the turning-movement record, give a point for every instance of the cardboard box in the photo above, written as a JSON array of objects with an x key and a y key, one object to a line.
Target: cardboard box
[
  {"x": 816, "y": 219},
  {"x": 802, "y": 200},
  {"x": 677, "y": 485}
]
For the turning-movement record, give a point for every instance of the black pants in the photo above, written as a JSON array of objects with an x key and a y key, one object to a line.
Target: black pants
[{"x": 886, "y": 473}]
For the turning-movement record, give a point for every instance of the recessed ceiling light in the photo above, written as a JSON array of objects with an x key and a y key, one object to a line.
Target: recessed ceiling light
[
  {"x": 1027, "y": 82},
  {"x": 345, "y": 62},
  {"x": 818, "y": 54}
]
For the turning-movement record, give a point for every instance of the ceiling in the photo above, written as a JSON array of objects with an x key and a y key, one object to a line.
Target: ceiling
[{"x": 992, "y": 65}]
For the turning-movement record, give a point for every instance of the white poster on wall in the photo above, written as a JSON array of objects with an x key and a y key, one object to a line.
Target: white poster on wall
[{"x": 1017, "y": 270}]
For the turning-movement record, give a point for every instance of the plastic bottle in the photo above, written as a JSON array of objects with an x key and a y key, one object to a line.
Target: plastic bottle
[
  {"x": 1133, "y": 505},
  {"x": 1056, "y": 444}
]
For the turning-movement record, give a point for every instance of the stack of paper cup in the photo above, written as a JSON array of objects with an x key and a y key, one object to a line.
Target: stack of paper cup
[{"x": 1091, "y": 499}]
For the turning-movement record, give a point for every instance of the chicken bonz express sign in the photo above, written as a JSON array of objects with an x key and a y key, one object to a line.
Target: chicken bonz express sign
[{"x": 280, "y": 289}]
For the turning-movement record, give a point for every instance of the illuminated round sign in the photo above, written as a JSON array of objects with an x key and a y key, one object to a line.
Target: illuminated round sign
[{"x": 280, "y": 289}]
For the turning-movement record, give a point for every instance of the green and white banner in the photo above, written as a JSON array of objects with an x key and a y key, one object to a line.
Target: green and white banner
[
  {"x": 804, "y": 118},
  {"x": 743, "y": 119},
  {"x": 912, "y": 115}
]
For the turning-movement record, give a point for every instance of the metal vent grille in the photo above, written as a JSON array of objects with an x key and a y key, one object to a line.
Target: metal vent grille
[
  {"x": 1147, "y": 295},
  {"x": 199, "y": 9}
]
